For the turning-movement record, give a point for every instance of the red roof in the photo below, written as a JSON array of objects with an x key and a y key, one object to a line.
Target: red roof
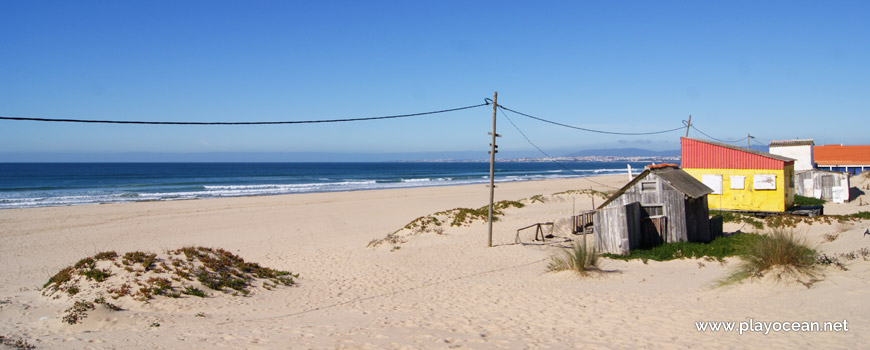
[
  {"x": 703, "y": 154},
  {"x": 841, "y": 155},
  {"x": 662, "y": 165}
]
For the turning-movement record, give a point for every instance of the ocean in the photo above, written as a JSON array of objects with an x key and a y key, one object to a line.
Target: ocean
[{"x": 27, "y": 185}]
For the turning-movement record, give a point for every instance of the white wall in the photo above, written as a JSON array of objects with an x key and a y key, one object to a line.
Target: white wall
[{"x": 803, "y": 155}]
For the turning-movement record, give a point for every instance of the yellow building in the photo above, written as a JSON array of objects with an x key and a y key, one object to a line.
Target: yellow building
[{"x": 741, "y": 178}]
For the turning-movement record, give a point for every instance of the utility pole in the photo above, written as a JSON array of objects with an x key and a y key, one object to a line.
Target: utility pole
[
  {"x": 748, "y": 137},
  {"x": 689, "y": 125},
  {"x": 492, "y": 152}
]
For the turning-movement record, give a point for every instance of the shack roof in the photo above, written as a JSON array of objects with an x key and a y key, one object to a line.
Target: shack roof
[
  {"x": 841, "y": 155},
  {"x": 783, "y": 143},
  {"x": 673, "y": 175}
]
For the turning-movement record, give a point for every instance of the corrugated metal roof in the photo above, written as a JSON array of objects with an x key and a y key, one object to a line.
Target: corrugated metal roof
[
  {"x": 841, "y": 155},
  {"x": 697, "y": 153},
  {"x": 780, "y": 143},
  {"x": 673, "y": 175}
]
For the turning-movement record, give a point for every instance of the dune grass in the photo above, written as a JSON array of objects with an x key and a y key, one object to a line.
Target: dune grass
[
  {"x": 782, "y": 252},
  {"x": 578, "y": 259}
]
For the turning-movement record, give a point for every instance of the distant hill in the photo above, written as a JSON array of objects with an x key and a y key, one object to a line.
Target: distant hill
[{"x": 624, "y": 152}]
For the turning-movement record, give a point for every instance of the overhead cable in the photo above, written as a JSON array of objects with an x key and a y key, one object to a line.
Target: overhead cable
[
  {"x": 715, "y": 139},
  {"x": 243, "y": 123},
  {"x": 589, "y": 130},
  {"x": 550, "y": 158}
]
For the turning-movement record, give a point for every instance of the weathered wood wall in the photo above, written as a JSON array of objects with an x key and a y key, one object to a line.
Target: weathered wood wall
[
  {"x": 821, "y": 184},
  {"x": 625, "y": 220},
  {"x": 617, "y": 228}
]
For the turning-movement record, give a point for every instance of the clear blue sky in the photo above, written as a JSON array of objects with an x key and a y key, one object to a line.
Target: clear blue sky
[{"x": 776, "y": 69}]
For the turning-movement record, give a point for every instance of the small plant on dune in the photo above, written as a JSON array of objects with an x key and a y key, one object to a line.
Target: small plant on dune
[
  {"x": 106, "y": 304},
  {"x": 780, "y": 248},
  {"x": 145, "y": 259},
  {"x": 589, "y": 192},
  {"x": 579, "y": 259},
  {"x": 830, "y": 237},
  {"x": 59, "y": 278},
  {"x": 78, "y": 312},
  {"x": 537, "y": 199},
  {"x": 188, "y": 290},
  {"x": 20, "y": 343}
]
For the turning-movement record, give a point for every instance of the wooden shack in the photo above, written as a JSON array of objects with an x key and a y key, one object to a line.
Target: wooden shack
[
  {"x": 831, "y": 186},
  {"x": 662, "y": 204}
]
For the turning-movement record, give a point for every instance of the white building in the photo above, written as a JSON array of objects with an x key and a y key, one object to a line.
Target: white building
[{"x": 800, "y": 150}]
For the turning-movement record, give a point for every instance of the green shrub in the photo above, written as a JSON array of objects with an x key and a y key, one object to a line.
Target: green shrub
[
  {"x": 801, "y": 201},
  {"x": 718, "y": 249}
]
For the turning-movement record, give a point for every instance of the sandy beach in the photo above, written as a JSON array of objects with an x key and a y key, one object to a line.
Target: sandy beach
[{"x": 434, "y": 291}]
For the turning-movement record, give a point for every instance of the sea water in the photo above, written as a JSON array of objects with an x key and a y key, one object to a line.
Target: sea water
[{"x": 26, "y": 185}]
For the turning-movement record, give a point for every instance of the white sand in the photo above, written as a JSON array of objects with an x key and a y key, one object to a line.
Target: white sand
[{"x": 435, "y": 291}]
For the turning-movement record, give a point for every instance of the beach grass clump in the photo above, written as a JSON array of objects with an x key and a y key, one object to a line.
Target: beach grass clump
[
  {"x": 719, "y": 249},
  {"x": 780, "y": 251},
  {"x": 538, "y": 198},
  {"x": 578, "y": 259}
]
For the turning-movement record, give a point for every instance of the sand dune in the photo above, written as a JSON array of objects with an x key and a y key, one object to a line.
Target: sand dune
[{"x": 434, "y": 291}]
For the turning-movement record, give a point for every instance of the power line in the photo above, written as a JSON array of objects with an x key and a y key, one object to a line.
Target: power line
[
  {"x": 486, "y": 102},
  {"x": 590, "y": 130},
  {"x": 715, "y": 139},
  {"x": 550, "y": 158},
  {"x": 759, "y": 143}
]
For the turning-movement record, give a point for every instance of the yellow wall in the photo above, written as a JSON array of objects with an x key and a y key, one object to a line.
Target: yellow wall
[{"x": 777, "y": 200}]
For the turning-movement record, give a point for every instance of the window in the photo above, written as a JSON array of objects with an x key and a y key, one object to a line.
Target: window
[
  {"x": 738, "y": 182},
  {"x": 654, "y": 210},
  {"x": 764, "y": 181},
  {"x": 714, "y": 182},
  {"x": 648, "y": 186}
]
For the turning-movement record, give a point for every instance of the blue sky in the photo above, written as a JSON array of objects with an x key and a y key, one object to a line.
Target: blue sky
[{"x": 775, "y": 69}]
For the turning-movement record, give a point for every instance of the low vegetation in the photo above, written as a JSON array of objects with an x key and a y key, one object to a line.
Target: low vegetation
[
  {"x": 780, "y": 252},
  {"x": 786, "y": 221},
  {"x": 456, "y": 217},
  {"x": 590, "y": 192},
  {"x": 143, "y": 276},
  {"x": 578, "y": 259},
  {"x": 718, "y": 249},
  {"x": 16, "y": 343},
  {"x": 802, "y": 201}
]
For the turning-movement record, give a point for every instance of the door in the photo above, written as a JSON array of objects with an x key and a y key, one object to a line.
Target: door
[
  {"x": 654, "y": 231},
  {"x": 827, "y": 186}
]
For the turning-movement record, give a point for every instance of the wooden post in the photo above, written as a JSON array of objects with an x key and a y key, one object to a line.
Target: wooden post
[
  {"x": 689, "y": 125},
  {"x": 492, "y": 151}
]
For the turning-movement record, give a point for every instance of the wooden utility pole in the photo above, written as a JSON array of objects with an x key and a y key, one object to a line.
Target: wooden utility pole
[
  {"x": 492, "y": 152},
  {"x": 689, "y": 125}
]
